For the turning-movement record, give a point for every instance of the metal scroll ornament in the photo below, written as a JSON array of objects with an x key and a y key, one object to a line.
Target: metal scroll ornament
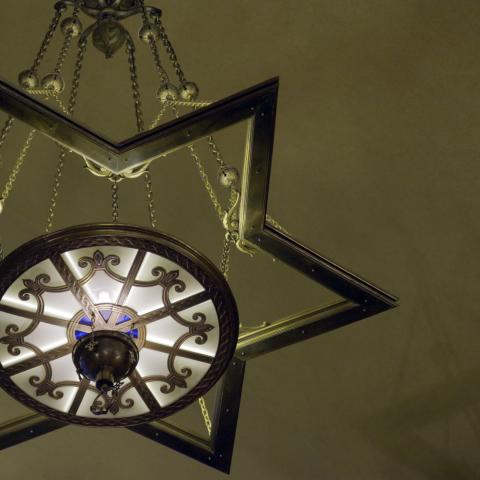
[{"x": 68, "y": 299}]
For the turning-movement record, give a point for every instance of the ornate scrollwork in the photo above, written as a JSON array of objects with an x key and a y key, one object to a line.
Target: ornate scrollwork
[
  {"x": 99, "y": 262},
  {"x": 33, "y": 288}
]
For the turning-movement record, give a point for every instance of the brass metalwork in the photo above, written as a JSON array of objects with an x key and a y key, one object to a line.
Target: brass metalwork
[
  {"x": 256, "y": 105},
  {"x": 52, "y": 246}
]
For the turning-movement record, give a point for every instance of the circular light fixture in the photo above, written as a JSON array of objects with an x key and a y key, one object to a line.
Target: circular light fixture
[{"x": 112, "y": 325}]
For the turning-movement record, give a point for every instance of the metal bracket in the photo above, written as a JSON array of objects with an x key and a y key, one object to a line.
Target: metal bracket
[{"x": 256, "y": 105}]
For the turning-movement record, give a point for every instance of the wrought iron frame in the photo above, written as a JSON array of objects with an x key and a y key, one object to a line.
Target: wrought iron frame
[{"x": 257, "y": 106}]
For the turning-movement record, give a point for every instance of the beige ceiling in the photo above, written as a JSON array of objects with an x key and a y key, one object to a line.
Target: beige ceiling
[{"x": 376, "y": 165}]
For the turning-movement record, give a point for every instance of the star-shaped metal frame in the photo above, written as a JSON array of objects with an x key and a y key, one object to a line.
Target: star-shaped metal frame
[{"x": 257, "y": 105}]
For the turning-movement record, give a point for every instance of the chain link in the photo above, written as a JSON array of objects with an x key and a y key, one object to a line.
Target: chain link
[
  {"x": 6, "y": 130},
  {"x": 61, "y": 158},
  {"x": 67, "y": 42},
  {"x": 275, "y": 224},
  {"x": 216, "y": 152},
  {"x": 206, "y": 415},
  {"x": 82, "y": 47},
  {"x": 170, "y": 51},
  {"x": 153, "y": 47},
  {"x": 206, "y": 183},
  {"x": 115, "y": 214},
  {"x": 16, "y": 168},
  {"x": 159, "y": 117},
  {"x": 47, "y": 39},
  {"x": 56, "y": 186},
  {"x": 151, "y": 205},
  {"x": 141, "y": 126},
  {"x": 135, "y": 87}
]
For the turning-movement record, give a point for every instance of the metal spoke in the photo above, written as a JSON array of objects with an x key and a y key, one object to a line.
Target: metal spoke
[
  {"x": 82, "y": 390},
  {"x": 178, "y": 352},
  {"x": 167, "y": 310},
  {"x": 88, "y": 305},
  {"x": 143, "y": 391},
  {"x": 127, "y": 286},
  {"x": 38, "y": 360},
  {"x": 35, "y": 316}
]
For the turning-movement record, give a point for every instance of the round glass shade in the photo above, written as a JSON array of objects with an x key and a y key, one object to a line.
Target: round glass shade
[{"x": 170, "y": 300}]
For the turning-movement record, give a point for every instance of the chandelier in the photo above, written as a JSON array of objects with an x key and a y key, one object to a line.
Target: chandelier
[{"x": 118, "y": 325}]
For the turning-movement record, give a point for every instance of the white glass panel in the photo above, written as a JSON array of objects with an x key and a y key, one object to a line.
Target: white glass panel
[
  {"x": 63, "y": 369},
  {"x": 152, "y": 363},
  {"x": 47, "y": 337},
  {"x": 151, "y": 261},
  {"x": 138, "y": 407},
  {"x": 103, "y": 289},
  {"x": 60, "y": 305},
  {"x": 165, "y": 331},
  {"x": 145, "y": 299},
  {"x": 126, "y": 255}
]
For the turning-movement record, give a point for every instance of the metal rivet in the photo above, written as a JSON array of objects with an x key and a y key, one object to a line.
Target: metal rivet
[
  {"x": 259, "y": 240},
  {"x": 157, "y": 434},
  {"x": 189, "y": 133},
  {"x": 303, "y": 332},
  {"x": 234, "y": 364},
  {"x": 313, "y": 270},
  {"x": 210, "y": 458},
  {"x": 262, "y": 114},
  {"x": 227, "y": 410},
  {"x": 220, "y": 456},
  {"x": 32, "y": 431},
  {"x": 243, "y": 354}
]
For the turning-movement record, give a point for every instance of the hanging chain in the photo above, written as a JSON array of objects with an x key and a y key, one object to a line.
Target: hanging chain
[
  {"x": 135, "y": 87},
  {"x": 153, "y": 47},
  {"x": 56, "y": 186},
  {"x": 170, "y": 51},
  {"x": 206, "y": 415},
  {"x": 206, "y": 183},
  {"x": 47, "y": 39},
  {"x": 151, "y": 205},
  {"x": 115, "y": 214},
  {"x": 61, "y": 157},
  {"x": 6, "y": 130},
  {"x": 67, "y": 42},
  {"x": 16, "y": 168},
  {"x": 141, "y": 126},
  {"x": 216, "y": 152}
]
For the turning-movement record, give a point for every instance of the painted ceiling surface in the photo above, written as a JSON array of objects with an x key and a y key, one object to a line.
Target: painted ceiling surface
[{"x": 376, "y": 165}]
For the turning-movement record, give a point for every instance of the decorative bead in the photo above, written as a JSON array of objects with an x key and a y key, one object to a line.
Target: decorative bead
[
  {"x": 71, "y": 26},
  {"x": 228, "y": 176},
  {"x": 53, "y": 81},
  {"x": 147, "y": 32},
  {"x": 170, "y": 92},
  {"x": 189, "y": 91},
  {"x": 28, "y": 79}
]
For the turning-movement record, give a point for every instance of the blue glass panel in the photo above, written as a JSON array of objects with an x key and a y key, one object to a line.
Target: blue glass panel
[
  {"x": 79, "y": 334},
  {"x": 85, "y": 321}
]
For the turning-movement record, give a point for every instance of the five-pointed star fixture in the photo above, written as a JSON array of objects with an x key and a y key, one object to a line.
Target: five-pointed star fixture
[{"x": 257, "y": 105}]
